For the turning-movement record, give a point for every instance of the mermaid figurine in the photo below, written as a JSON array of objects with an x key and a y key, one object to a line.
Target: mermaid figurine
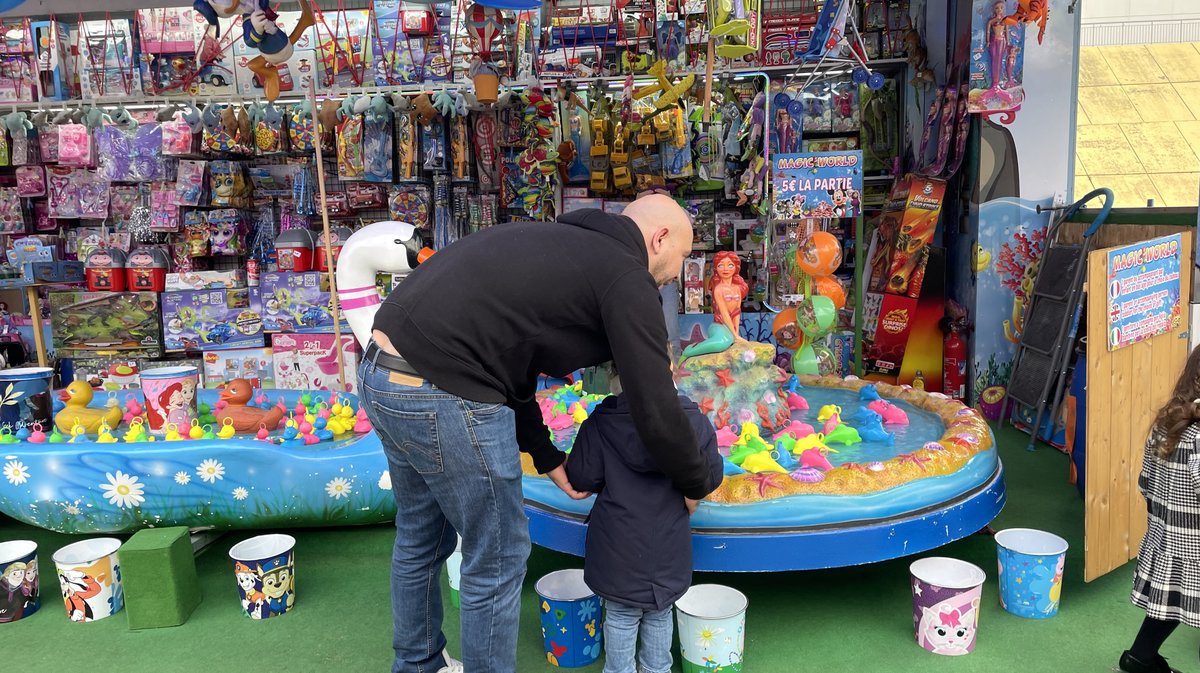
[{"x": 728, "y": 291}]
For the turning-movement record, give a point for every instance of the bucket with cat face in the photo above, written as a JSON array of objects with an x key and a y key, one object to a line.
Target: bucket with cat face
[
  {"x": 89, "y": 575},
  {"x": 946, "y": 594},
  {"x": 18, "y": 580},
  {"x": 265, "y": 573}
]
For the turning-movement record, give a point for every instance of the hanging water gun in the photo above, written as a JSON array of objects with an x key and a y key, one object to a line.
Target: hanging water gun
[{"x": 259, "y": 32}]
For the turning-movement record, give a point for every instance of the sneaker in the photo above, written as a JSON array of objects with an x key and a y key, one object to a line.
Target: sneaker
[
  {"x": 455, "y": 666},
  {"x": 1131, "y": 664}
]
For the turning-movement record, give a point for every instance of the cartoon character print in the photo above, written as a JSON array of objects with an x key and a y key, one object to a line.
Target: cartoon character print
[
  {"x": 14, "y": 591},
  {"x": 277, "y": 584},
  {"x": 77, "y": 588},
  {"x": 169, "y": 407},
  {"x": 254, "y": 601},
  {"x": 949, "y": 628}
]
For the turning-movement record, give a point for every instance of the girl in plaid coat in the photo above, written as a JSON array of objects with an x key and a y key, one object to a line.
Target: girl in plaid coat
[{"x": 1167, "y": 582}]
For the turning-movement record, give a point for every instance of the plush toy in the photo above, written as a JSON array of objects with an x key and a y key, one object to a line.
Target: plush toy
[
  {"x": 245, "y": 127},
  {"x": 123, "y": 119},
  {"x": 328, "y": 115},
  {"x": 423, "y": 109},
  {"x": 379, "y": 108},
  {"x": 443, "y": 102},
  {"x": 260, "y": 32},
  {"x": 229, "y": 120},
  {"x": 95, "y": 118},
  {"x": 17, "y": 123},
  {"x": 194, "y": 118}
]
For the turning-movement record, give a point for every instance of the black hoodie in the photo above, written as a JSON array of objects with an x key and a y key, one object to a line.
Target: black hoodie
[
  {"x": 639, "y": 539},
  {"x": 484, "y": 317}
]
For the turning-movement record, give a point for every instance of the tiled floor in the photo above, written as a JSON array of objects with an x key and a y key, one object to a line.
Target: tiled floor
[{"x": 1138, "y": 123}]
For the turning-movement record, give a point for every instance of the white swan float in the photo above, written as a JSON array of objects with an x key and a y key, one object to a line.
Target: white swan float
[{"x": 383, "y": 247}]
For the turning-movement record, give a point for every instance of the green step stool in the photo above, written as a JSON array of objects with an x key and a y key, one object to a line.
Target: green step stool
[{"x": 158, "y": 571}]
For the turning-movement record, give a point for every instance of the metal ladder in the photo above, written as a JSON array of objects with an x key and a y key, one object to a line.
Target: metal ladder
[{"x": 1040, "y": 366}]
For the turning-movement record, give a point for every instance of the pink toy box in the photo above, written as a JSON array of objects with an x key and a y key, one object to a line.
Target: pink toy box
[{"x": 309, "y": 361}]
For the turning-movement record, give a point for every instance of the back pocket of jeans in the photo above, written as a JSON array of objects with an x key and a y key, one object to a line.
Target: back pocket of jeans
[{"x": 414, "y": 435}]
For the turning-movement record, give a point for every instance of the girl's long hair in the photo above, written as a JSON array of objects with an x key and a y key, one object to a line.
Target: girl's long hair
[{"x": 1181, "y": 410}]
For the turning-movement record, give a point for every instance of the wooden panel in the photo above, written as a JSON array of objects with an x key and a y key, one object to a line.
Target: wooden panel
[
  {"x": 1125, "y": 388},
  {"x": 1115, "y": 235}
]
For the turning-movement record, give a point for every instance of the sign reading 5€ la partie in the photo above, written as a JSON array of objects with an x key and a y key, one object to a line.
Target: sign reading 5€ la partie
[{"x": 1144, "y": 290}]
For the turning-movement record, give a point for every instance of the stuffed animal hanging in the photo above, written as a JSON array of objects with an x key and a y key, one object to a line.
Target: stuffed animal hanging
[
  {"x": 423, "y": 109},
  {"x": 259, "y": 31}
]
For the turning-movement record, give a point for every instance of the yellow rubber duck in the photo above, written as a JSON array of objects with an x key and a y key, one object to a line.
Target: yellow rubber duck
[
  {"x": 578, "y": 413},
  {"x": 226, "y": 431},
  {"x": 106, "y": 436},
  {"x": 78, "y": 395},
  {"x": 827, "y": 411},
  {"x": 173, "y": 433},
  {"x": 335, "y": 425},
  {"x": 196, "y": 432},
  {"x": 761, "y": 462},
  {"x": 136, "y": 431}
]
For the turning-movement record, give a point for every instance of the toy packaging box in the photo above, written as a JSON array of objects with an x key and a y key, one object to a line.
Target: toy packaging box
[
  {"x": 206, "y": 280},
  {"x": 211, "y": 320},
  {"x": 108, "y": 60},
  {"x": 297, "y": 302},
  {"x": 253, "y": 364},
  {"x": 343, "y": 48},
  {"x": 906, "y": 229},
  {"x": 309, "y": 361},
  {"x": 113, "y": 373},
  {"x": 294, "y": 73},
  {"x": 56, "y": 68},
  {"x": 86, "y": 322}
]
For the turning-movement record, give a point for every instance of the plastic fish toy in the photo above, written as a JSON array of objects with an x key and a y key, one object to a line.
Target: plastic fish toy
[
  {"x": 796, "y": 403},
  {"x": 831, "y": 424},
  {"x": 868, "y": 393},
  {"x": 892, "y": 414},
  {"x": 814, "y": 458},
  {"x": 726, "y": 437},
  {"x": 732, "y": 470},
  {"x": 813, "y": 441},
  {"x": 871, "y": 429},
  {"x": 843, "y": 434},
  {"x": 796, "y": 430},
  {"x": 827, "y": 411},
  {"x": 761, "y": 462},
  {"x": 784, "y": 458}
]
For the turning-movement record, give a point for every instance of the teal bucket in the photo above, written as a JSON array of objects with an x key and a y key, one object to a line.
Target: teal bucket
[
  {"x": 712, "y": 628},
  {"x": 25, "y": 398},
  {"x": 1031, "y": 571}
]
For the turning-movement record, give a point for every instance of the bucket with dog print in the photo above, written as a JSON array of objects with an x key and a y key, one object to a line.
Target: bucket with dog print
[
  {"x": 265, "y": 573},
  {"x": 946, "y": 594},
  {"x": 89, "y": 574}
]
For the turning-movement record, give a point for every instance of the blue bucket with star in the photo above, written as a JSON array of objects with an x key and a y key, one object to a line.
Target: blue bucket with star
[
  {"x": 1031, "y": 571},
  {"x": 571, "y": 619}
]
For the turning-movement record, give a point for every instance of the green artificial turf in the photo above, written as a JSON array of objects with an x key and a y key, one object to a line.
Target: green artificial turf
[{"x": 852, "y": 619}]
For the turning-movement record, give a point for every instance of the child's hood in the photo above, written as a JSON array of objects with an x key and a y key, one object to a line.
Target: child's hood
[{"x": 621, "y": 436}]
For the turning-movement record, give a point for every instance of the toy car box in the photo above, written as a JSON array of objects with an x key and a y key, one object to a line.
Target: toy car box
[
  {"x": 297, "y": 302},
  {"x": 211, "y": 320},
  {"x": 83, "y": 323}
]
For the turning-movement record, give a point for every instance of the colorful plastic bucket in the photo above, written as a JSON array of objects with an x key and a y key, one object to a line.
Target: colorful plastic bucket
[
  {"x": 18, "y": 580},
  {"x": 265, "y": 571},
  {"x": 1031, "y": 571},
  {"x": 572, "y": 623},
  {"x": 170, "y": 397},
  {"x": 946, "y": 594},
  {"x": 25, "y": 397},
  {"x": 89, "y": 575},
  {"x": 712, "y": 628}
]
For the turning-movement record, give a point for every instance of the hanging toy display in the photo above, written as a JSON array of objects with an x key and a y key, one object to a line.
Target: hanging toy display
[
  {"x": 258, "y": 32},
  {"x": 484, "y": 24}
]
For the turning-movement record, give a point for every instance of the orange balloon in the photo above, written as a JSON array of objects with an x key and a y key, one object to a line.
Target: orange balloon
[
  {"x": 821, "y": 255},
  {"x": 829, "y": 286},
  {"x": 786, "y": 331}
]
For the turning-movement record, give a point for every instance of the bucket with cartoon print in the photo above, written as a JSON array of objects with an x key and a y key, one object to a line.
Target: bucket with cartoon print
[
  {"x": 170, "y": 398},
  {"x": 266, "y": 575},
  {"x": 18, "y": 580},
  {"x": 572, "y": 622},
  {"x": 1030, "y": 563},
  {"x": 712, "y": 628},
  {"x": 946, "y": 594},
  {"x": 89, "y": 574},
  {"x": 25, "y": 398}
]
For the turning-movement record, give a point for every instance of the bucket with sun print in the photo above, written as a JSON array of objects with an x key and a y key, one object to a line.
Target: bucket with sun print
[
  {"x": 572, "y": 623},
  {"x": 18, "y": 580},
  {"x": 946, "y": 594},
  {"x": 89, "y": 575},
  {"x": 712, "y": 628},
  {"x": 265, "y": 573}
]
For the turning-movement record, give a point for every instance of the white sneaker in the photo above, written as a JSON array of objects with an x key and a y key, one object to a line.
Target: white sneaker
[{"x": 452, "y": 665}]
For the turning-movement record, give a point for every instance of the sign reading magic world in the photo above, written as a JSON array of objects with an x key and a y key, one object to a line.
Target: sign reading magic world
[
  {"x": 1144, "y": 290},
  {"x": 817, "y": 184}
]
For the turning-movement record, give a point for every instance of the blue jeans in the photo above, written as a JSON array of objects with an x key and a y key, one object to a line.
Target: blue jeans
[
  {"x": 622, "y": 627},
  {"x": 455, "y": 467}
]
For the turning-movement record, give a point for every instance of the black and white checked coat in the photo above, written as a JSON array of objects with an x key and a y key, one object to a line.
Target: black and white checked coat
[{"x": 1167, "y": 581}]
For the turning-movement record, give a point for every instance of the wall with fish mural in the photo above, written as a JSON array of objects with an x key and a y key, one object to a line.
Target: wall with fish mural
[{"x": 1021, "y": 165}]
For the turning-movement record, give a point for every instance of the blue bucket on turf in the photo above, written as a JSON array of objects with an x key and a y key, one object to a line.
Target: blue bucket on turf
[
  {"x": 572, "y": 619},
  {"x": 1031, "y": 571},
  {"x": 25, "y": 398}
]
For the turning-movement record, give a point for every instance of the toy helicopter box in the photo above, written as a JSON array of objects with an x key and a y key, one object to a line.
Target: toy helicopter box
[
  {"x": 297, "y": 302},
  {"x": 83, "y": 323},
  {"x": 211, "y": 320},
  {"x": 256, "y": 365},
  {"x": 294, "y": 73},
  {"x": 309, "y": 362}
]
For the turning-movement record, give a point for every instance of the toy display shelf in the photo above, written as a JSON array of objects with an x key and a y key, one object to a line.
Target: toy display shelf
[{"x": 889, "y": 65}]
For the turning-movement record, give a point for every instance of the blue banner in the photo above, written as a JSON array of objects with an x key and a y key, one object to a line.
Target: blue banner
[{"x": 1144, "y": 290}]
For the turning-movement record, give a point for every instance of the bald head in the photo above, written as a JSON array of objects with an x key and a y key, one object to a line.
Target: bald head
[{"x": 667, "y": 230}]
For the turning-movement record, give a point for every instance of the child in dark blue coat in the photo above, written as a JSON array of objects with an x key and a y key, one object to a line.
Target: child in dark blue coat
[{"x": 639, "y": 540}]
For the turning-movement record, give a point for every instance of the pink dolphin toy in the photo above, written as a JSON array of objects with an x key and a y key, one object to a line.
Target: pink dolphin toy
[
  {"x": 726, "y": 437},
  {"x": 796, "y": 429},
  {"x": 814, "y": 458},
  {"x": 796, "y": 403},
  {"x": 831, "y": 424},
  {"x": 892, "y": 414}
]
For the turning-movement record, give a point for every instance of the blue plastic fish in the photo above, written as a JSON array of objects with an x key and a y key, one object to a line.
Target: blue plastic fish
[
  {"x": 731, "y": 469},
  {"x": 864, "y": 415},
  {"x": 793, "y": 385},
  {"x": 871, "y": 429},
  {"x": 784, "y": 457},
  {"x": 868, "y": 393}
]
